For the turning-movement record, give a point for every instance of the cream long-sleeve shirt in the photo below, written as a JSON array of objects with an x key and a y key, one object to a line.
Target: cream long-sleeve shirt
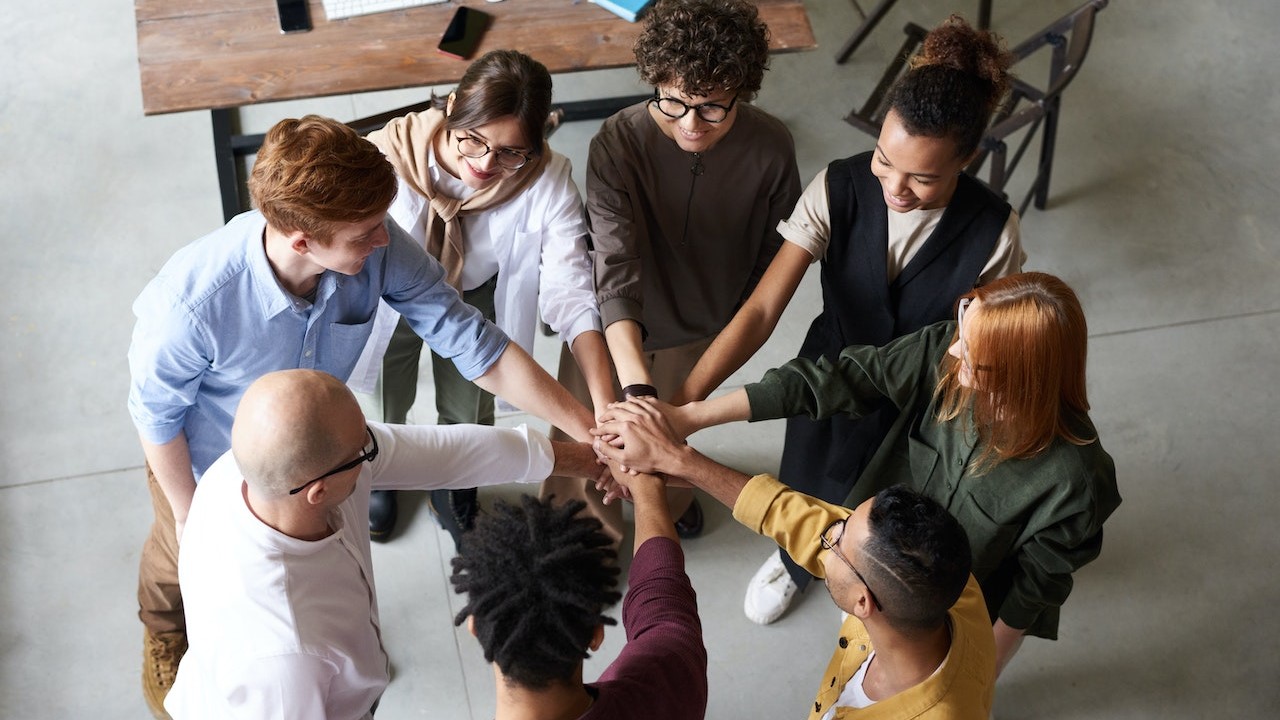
[{"x": 281, "y": 628}]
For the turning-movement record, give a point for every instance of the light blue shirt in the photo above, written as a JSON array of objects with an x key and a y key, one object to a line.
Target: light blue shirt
[{"x": 216, "y": 318}]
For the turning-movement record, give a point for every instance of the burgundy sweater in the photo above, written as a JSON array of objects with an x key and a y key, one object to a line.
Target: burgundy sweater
[{"x": 662, "y": 670}]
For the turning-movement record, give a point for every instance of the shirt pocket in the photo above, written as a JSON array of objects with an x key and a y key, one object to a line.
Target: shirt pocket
[
  {"x": 924, "y": 460},
  {"x": 346, "y": 342},
  {"x": 991, "y": 541}
]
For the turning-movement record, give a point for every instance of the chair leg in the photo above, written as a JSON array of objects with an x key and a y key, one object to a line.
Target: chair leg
[
  {"x": 864, "y": 30},
  {"x": 1048, "y": 142}
]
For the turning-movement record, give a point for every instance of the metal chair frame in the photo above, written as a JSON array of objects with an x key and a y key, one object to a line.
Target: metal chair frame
[{"x": 1029, "y": 108}]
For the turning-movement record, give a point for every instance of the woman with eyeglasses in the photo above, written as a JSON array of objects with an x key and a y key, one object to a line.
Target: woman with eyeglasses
[
  {"x": 486, "y": 195},
  {"x": 900, "y": 232},
  {"x": 992, "y": 422},
  {"x": 685, "y": 191}
]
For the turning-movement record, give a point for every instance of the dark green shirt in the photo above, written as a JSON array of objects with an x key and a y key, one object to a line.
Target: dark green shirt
[{"x": 1030, "y": 522}]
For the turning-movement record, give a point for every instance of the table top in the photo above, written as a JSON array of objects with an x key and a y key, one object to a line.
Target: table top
[{"x": 205, "y": 54}]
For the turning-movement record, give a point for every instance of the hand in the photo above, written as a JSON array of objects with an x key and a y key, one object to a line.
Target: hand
[
  {"x": 627, "y": 484},
  {"x": 675, "y": 422},
  {"x": 643, "y": 439}
]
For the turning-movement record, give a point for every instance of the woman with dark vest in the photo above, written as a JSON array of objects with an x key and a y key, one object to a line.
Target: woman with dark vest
[{"x": 901, "y": 233}]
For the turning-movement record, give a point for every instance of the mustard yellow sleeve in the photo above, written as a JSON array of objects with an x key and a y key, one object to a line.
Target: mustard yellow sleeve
[{"x": 792, "y": 519}]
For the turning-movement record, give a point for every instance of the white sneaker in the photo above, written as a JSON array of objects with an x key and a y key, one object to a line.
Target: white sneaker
[{"x": 770, "y": 591}]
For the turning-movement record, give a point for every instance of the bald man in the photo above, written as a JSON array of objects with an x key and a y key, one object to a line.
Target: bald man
[{"x": 275, "y": 568}]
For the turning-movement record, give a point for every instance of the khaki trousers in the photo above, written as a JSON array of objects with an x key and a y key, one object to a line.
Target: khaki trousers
[
  {"x": 159, "y": 598},
  {"x": 669, "y": 368}
]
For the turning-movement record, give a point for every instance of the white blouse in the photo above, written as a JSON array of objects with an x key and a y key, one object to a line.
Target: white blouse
[{"x": 539, "y": 242}]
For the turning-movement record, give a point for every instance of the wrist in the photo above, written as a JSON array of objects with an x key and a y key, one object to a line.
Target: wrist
[{"x": 682, "y": 462}]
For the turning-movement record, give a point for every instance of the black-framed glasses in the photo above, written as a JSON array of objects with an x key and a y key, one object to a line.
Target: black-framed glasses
[
  {"x": 964, "y": 346},
  {"x": 475, "y": 148},
  {"x": 831, "y": 541},
  {"x": 367, "y": 454},
  {"x": 675, "y": 109}
]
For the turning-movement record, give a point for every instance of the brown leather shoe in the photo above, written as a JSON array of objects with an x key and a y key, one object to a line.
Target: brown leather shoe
[{"x": 161, "y": 653}]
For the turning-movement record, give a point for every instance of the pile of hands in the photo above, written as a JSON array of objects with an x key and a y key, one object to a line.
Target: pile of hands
[{"x": 640, "y": 440}]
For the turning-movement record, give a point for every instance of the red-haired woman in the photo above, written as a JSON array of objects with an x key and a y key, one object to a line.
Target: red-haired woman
[{"x": 993, "y": 424}]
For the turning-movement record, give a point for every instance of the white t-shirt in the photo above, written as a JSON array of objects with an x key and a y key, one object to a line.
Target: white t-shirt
[{"x": 286, "y": 628}]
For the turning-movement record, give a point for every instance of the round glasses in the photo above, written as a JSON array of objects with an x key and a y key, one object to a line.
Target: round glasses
[
  {"x": 964, "y": 346},
  {"x": 675, "y": 109},
  {"x": 475, "y": 148},
  {"x": 831, "y": 540}
]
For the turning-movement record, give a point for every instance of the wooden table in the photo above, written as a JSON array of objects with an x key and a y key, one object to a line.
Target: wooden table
[{"x": 221, "y": 55}]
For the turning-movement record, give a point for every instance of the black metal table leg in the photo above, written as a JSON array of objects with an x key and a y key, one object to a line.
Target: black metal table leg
[{"x": 225, "y": 158}]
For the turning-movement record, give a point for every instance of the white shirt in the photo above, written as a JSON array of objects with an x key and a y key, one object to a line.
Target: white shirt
[
  {"x": 539, "y": 242},
  {"x": 810, "y": 228},
  {"x": 286, "y": 628}
]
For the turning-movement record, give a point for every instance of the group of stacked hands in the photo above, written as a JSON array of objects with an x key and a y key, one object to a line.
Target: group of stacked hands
[{"x": 940, "y": 471}]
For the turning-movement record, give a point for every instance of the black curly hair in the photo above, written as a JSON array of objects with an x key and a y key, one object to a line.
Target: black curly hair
[
  {"x": 918, "y": 558},
  {"x": 954, "y": 85},
  {"x": 537, "y": 579},
  {"x": 704, "y": 46}
]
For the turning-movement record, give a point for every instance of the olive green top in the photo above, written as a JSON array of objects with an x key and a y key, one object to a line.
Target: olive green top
[{"x": 1031, "y": 522}]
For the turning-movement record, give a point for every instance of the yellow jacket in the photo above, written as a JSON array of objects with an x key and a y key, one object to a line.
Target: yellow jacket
[{"x": 965, "y": 684}]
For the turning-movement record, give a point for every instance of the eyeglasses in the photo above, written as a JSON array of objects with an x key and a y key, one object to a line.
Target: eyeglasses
[
  {"x": 675, "y": 109},
  {"x": 831, "y": 541},
  {"x": 475, "y": 148},
  {"x": 964, "y": 346},
  {"x": 365, "y": 456}
]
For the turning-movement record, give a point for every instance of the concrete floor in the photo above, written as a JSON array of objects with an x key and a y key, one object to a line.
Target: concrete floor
[{"x": 1162, "y": 217}]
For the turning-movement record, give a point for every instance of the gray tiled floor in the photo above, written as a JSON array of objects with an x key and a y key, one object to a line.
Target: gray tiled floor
[{"x": 1163, "y": 217}]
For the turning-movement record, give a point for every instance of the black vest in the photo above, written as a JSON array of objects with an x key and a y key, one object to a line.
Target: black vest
[
  {"x": 861, "y": 307},
  {"x": 865, "y": 308}
]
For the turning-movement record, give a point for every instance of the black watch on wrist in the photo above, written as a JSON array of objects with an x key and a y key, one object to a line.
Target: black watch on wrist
[{"x": 639, "y": 390}]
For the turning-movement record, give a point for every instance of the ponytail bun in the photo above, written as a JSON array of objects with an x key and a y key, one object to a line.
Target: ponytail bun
[
  {"x": 981, "y": 53},
  {"x": 954, "y": 84}
]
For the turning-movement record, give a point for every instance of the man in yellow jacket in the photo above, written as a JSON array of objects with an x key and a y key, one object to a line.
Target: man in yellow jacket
[{"x": 917, "y": 640}]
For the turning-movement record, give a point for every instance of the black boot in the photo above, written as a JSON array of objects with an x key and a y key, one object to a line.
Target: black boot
[
  {"x": 382, "y": 514},
  {"x": 456, "y": 511}
]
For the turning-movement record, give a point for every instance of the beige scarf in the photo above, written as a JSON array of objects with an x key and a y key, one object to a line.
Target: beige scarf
[{"x": 406, "y": 141}]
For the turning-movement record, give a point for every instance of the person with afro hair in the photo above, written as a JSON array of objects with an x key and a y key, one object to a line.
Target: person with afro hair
[{"x": 538, "y": 577}]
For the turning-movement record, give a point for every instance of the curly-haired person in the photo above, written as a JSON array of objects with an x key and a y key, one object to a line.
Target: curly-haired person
[
  {"x": 684, "y": 195},
  {"x": 538, "y": 578}
]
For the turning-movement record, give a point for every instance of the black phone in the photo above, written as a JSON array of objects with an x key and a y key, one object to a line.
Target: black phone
[
  {"x": 294, "y": 16},
  {"x": 463, "y": 34}
]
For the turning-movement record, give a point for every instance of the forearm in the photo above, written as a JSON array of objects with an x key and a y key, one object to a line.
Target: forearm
[
  {"x": 575, "y": 459},
  {"x": 592, "y": 355},
  {"x": 516, "y": 378},
  {"x": 695, "y": 416},
  {"x": 1008, "y": 640},
  {"x": 751, "y": 326},
  {"x": 627, "y": 350},
  {"x": 171, "y": 465},
  {"x": 652, "y": 514},
  {"x": 720, "y": 482}
]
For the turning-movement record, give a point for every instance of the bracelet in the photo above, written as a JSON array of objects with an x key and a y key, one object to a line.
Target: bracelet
[{"x": 639, "y": 390}]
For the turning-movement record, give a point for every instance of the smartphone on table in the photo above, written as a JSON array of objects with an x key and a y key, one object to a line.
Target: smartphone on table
[
  {"x": 463, "y": 34},
  {"x": 294, "y": 16}
]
